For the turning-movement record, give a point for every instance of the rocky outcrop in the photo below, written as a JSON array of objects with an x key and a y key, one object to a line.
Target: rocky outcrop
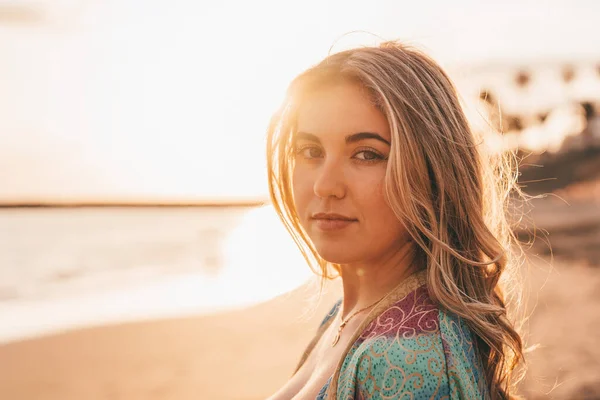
[{"x": 550, "y": 115}]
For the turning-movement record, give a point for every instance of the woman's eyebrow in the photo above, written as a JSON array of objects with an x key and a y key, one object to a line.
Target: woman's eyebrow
[
  {"x": 355, "y": 137},
  {"x": 365, "y": 135},
  {"x": 306, "y": 136}
]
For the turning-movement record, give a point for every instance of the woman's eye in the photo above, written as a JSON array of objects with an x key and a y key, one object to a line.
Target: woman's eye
[
  {"x": 368, "y": 155},
  {"x": 310, "y": 152}
]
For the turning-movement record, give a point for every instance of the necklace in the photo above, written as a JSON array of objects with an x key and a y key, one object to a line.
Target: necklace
[{"x": 344, "y": 322}]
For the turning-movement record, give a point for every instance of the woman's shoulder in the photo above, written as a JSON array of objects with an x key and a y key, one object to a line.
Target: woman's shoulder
[
  {"x": 464, "y": 366},
  {"x": 332, "y": 312},
  {"x": 416, "y": 347}
]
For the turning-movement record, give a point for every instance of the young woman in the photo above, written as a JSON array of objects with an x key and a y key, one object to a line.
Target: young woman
[{"x": 377, "y": 176}]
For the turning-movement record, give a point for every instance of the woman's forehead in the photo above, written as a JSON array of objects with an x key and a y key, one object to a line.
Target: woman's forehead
[{"x": 341, "y": 109}]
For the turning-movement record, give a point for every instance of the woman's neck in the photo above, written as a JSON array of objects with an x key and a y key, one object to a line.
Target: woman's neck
[{"x": 367, "y": 282}]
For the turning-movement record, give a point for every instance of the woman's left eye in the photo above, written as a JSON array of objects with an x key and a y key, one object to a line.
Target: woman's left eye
[{"x": 368, "y": 155}]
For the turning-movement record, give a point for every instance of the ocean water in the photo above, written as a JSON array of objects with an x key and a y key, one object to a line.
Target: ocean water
[{"x": 64, "y": 268}]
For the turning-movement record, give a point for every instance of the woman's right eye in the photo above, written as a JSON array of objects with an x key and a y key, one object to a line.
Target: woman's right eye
[{"x": 309, "y": 152}]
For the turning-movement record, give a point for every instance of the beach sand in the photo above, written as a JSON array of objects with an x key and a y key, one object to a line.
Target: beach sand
[
  {"x": 243, "y": 354},
  {"x": 565, "y": 325},
  {"x": 250, "y": 353}
]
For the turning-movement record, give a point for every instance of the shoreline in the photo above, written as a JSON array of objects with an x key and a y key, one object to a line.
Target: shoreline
[
  {"x": 181, "y": 357},
  {"x": 257, "y": 347},
  {"x": 179, "y": 296}
]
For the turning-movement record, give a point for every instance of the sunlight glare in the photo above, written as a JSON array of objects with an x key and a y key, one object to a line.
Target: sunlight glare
[{"x": 260, "y": 258}]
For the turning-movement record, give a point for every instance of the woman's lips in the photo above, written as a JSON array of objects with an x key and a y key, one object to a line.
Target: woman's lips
[{"x": 333, "y": 224}]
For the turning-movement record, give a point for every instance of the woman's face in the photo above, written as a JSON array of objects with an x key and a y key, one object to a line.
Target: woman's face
[{"x": 341, "y": 146}]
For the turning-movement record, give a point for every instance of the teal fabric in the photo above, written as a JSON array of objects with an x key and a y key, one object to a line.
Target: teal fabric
[{"x": 413, "y": 350}]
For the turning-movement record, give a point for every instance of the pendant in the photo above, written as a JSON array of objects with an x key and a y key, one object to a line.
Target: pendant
[{"x": 336, "y": 339}]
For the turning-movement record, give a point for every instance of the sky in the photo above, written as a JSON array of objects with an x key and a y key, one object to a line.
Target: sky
[{"x": 169, "y": 101}]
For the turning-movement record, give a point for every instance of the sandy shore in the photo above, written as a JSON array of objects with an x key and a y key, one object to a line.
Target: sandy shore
[
  {"x": 564, "y": 325},
  {"x": 243, "y": 354},
  {"x": 248, "y": 354}
]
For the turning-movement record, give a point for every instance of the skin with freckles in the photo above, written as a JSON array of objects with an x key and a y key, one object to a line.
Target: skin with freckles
[{"x": 341, "y": 146}]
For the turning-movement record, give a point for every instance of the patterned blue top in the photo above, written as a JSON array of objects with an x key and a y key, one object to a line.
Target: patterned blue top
[{"x": 412, "y": 350}]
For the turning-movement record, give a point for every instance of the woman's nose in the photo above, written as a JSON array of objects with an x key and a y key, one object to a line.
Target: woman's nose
[{"x": 330, "y": 181}]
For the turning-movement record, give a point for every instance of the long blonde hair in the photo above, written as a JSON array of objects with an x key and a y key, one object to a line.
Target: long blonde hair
[{"x": 450, "y": 195}]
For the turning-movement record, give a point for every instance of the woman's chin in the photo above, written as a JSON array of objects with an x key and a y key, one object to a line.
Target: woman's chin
[{"x": 337, "y": 255}]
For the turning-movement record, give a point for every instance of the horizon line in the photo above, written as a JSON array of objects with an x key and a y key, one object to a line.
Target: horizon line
[{"x": 147, "y": 204}]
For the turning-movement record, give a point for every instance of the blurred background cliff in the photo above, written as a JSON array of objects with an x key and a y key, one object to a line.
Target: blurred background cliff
[{"x": 139, "y": 257}]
